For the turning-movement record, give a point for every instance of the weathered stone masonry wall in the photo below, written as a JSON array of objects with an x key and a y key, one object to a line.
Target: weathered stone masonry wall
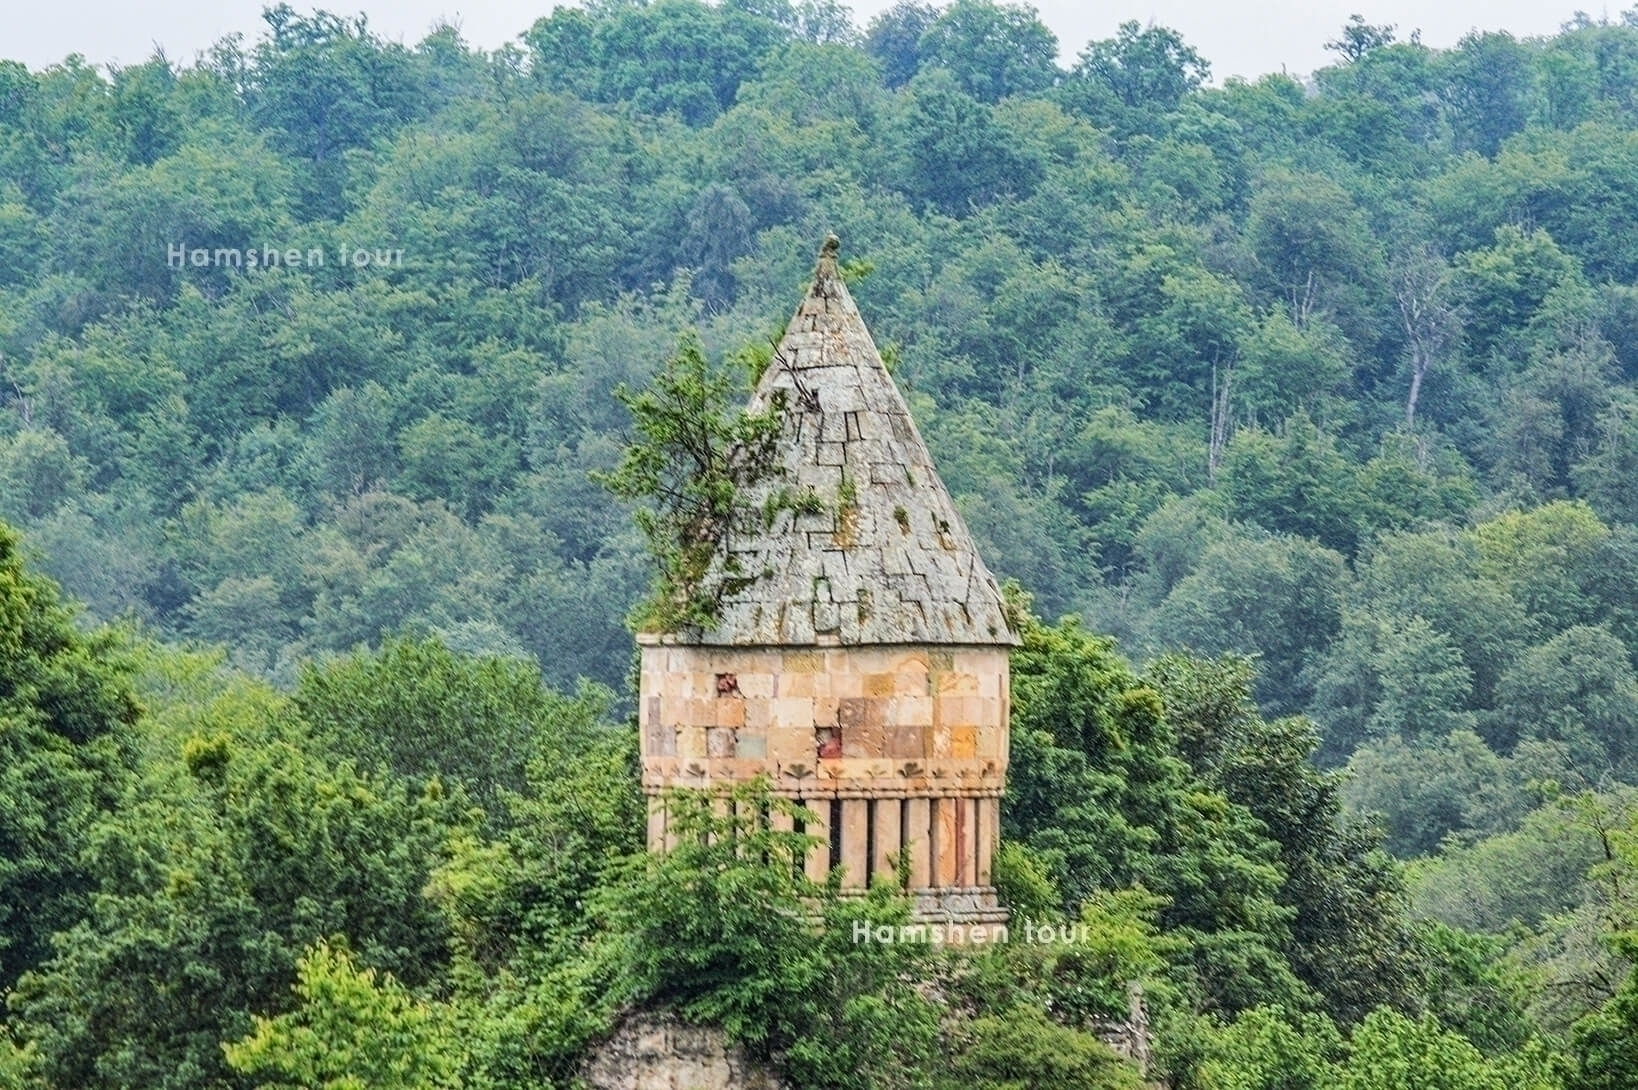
[{"x": 895, "y": 749}]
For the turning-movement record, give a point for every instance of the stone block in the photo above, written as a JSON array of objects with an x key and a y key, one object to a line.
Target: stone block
[
  {"x": 963, "y": 742},
  {"x": 803, "y": 662},
  {"x": 794, "y": 684},
  {"x": 750, "y": 745},
  {"x": 825, "y": 711},
  {"x": 660, "y": 741},
  {"x": 992, "y": 742},
  {"x": 719, "y": 742},
  {"x": 789, "y": 744},
  {"x": 945, "y": 847},
  {"x": 855, "y": 712},
  {"x": 730, "y": 711},
  {"x": 911, "y": 673},
  {"x": 889, "y": 839},
  {"x": 827, "y": 743},
  {"x": 691, "y": 742},
  {"x": 759, "y": 683},
  {"x": 914, "y": 711},
  {"x": 864, "y": 740},
  {"x": 905, "y": 742},
  {"x": 791, "y": 711},
  {"x": 917, "y": 841},
  {"x": 855, "y": 842},
  {"x": 879, "y": 684},
  {"x": 845, "y": 682}
]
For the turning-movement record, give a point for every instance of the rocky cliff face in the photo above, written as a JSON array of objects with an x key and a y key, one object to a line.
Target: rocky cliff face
[{"x": 657, "y": 1052}]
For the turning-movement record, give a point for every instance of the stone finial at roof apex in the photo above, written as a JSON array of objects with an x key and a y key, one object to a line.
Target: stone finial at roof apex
[{"x": 855, "y": 540}]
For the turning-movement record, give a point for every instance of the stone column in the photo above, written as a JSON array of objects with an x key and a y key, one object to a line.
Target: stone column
[
  {"x": 944, "y": 841},
  {"x": 889, "y": 839},
  {"x": 917, "y": 841},
  {"x": 856, "y": 843},
  {"x": 819, "y": 855},
  {"x": 989, "y": 825},
  {"x": 965, "y": 840}
]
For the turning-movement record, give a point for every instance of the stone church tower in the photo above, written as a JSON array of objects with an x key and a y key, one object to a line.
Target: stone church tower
[{"x": 864, "y": 669}]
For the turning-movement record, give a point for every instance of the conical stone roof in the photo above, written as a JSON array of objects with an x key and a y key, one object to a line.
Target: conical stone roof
[{"x": 878, "y": 555}]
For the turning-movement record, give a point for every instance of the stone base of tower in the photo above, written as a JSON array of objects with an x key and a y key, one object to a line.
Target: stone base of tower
[{"x": 959, "y": 905}]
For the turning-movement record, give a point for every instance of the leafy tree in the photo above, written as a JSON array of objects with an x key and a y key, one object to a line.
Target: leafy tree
[
  {"x": 1025, "y": 1048},
  {"x": 325, "y": 84},
  {"x": 693, "y": 458},
  {"x": 351, "y": 1031},
  {"x": 1256, "y": 593},
  {"x": 39, "y": 473},
  {"x": 960, "y": 158},
  {"x": 1314, "y": 253},
  {"x": 1542, "y": 558},
  {"x": 428, "y": 713},
  {"x": 1490, "y": 90},
  {"x": 1506, "y": 284},
  {"x": 1427, "y": 788},
  {"x": 1577, "y": 689},
  {"x": 1098, "y": 790},
  {"x": 241, "y": 850},
  {"x": 894, "y": 39},
  {"x": 719, "y": 927},
  {"x": 1522, "y": 876},
  {"x": 1347, "y": 938},
  {"x": 1604, "y": 476},
  {"x": 1295, "y": 483},
  {"x": 1135, "y": 78},
  {"x": 1388, "y": 1050},
  {"x": 992, "y": 50},
  {"x": 66, "y": 736},
  {"x": 1266, "y": 1047},
  {"x": 1359, "y": 38},
  {"x": 1603, "y": 1042}
]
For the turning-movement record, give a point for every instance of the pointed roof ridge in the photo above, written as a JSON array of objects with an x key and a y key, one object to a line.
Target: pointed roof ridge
[{"x": 864, "y": 545}]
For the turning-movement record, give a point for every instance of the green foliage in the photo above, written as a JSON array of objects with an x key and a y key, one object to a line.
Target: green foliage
[
  {"x": 1278, "y": 597},
  {"x": 993, "y": 50},
  {"x": 1135, "y": 78},
  {"x": 351, "y": 1031},
  {"x": 1098, "y": 788},
  {"x": 66, "y": 751},
  {"x": 430, "y": 715},
  {"x": 1022, "y": 1048},
  {"x": 693, "y": 458},
  {"x": 242, "y": 844},
  {"x": 1023, "y": 880},
  {"x": 1473, "y": 990},
  {"x": 725, "y": 928},
  {"x": 1606, "y": 1049},
  {"x": 1271, "y": 1049}
]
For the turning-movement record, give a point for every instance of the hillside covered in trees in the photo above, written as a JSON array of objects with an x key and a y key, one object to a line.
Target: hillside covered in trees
[{"x": 1320, "y": 398}]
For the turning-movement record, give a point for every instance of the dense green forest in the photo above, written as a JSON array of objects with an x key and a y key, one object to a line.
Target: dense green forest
[{"x": 1311, "y": 406}]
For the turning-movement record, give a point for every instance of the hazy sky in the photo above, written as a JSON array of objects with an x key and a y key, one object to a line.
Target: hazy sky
[{"x": 1238, "y": 37}]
